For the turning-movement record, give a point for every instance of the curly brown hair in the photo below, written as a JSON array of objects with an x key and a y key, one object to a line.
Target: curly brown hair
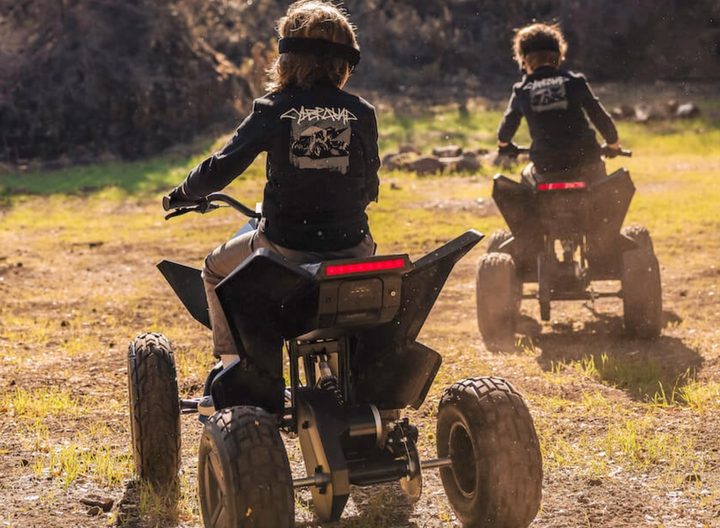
[
  {"x": 539, "y": 44},
  {"x": 311, "y": 19}
]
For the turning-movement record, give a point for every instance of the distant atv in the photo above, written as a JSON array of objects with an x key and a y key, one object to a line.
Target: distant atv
[
  {"x": 349, "y": 328},
  {"x": 564, "y": 235}
]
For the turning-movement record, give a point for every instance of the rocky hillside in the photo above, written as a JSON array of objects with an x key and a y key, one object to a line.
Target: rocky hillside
[{"x": 78, "y": 77}]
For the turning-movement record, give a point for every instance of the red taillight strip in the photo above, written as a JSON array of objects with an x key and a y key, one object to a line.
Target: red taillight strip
[
  {"x": 557, "y": 186},
  {"x": 378, "y": 265}
]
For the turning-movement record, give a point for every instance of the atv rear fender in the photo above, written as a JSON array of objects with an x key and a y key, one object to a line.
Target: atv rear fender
[
  {"x": 606, "y": 203},
  {"x": 268, "y": 298}
]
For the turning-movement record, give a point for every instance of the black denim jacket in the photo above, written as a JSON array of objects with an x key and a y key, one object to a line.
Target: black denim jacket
[
  {"x": 322, "y": 164},
  {"x": 555, "y": 103}
]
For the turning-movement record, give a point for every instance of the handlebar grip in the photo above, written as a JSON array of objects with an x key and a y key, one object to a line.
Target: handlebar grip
[
  {"x": 613, "y": 153},
  {"x": 173, "y": 202}
]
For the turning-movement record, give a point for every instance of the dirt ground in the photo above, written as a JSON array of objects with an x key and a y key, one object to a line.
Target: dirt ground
[{"x": 71, "y": 304}]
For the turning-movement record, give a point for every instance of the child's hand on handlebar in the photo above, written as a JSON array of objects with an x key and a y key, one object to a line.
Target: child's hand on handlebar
[
  {"x": 177, "y": 198},
  {"x": 613, "y": 150},
  {"x": 509, "y": 149}
]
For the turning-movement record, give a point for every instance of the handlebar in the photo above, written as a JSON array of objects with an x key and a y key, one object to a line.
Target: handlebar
[
  {"x": 606, "y": 151},
  {"x": 612, "y": 153},
  {"x": 171, "y": 202},
  {"x": 205, "y": 205}
]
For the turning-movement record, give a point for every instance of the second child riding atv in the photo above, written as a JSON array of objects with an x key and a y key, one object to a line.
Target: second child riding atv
[
  {"x": 349, "y": 328},
  {"x": 566, "y": 233}
]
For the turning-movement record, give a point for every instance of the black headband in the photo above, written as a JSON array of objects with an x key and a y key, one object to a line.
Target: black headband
[
  {"x": 321, "y": 47},
  {"x": 540, "y": 45}
]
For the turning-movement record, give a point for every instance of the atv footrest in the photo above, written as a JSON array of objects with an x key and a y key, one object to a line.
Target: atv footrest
[
  {"x": 189, "y": 406},
  {"x": 574, "y": 296}
]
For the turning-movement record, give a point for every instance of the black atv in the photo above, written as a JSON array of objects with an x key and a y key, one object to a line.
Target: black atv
[
  {"x": 565, "y": 234},
  {"x": 349, "y": 328}
]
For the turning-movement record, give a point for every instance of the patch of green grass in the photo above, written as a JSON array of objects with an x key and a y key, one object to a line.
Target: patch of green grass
[
  {"x": 617, "y": 438},
  {"x": 641, "y": 441},
  {"x": 702, "y": 397},
  {"x": 115, "y": 179},
  {"x": 441, "y": 126},
  {"x": 73, "y": 461},
  {"x": 107, "y": 293},
  {"x": 644, "y": 378},
  {"x": 39, "y": 403}
]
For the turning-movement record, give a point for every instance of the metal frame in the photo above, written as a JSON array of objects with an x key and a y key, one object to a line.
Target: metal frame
[{"x": 378, "y": 363}]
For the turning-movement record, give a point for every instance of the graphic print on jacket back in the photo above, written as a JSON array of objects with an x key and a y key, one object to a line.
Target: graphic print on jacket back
[
  {"x": 547, "y": 94},
  {"x": 320, "y": 138}
]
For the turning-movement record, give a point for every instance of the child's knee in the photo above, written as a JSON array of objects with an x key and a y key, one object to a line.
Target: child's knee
[{"x": 209, "y": 272}]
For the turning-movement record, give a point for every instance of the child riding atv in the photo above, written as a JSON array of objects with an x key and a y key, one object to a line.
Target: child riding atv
[
  {"x": 322, "y": 163},
  {"x": 307, "y": 280},
  {"x": 566, "y": 214},
  {"x": 555, "y": 103}
]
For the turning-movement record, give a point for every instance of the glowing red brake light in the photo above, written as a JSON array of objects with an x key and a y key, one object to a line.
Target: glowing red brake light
[
  {"x": 360, "y": 267},
  {"x": 558, "y": 186}
]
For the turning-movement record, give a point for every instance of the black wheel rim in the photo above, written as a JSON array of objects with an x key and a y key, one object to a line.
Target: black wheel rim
[
  {"x": 213, "y": 496},
  {"x": 464, "y": 468}
]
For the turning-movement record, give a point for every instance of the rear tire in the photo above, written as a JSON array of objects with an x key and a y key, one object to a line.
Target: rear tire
[
  {"x": 495, "y": 480},
  {"x": 641, "y": 286},
  {"x": 497, "y": 290},
  {"x": 244, "y": 475},
  {"x": 154, "y": 409},
  {"x": 497, "y": 239},
  {"x": 640, "y": 235},
  {"x": 544, "y": 310}
]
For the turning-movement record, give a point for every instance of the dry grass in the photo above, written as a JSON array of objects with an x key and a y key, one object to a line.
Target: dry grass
[{"x": 629, "y": 428}]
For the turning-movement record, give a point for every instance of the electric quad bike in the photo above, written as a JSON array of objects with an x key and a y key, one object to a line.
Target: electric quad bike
[
  {"x": 349, "y": 328},
  {"x": 564, "y": 234}
]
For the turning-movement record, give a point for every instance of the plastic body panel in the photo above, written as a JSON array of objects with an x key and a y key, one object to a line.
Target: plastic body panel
[
  {"x": 268, "y": 299},
  {"x": 592, "y": 215}
]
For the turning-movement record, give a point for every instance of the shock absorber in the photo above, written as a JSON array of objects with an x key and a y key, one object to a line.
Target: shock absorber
[{"x": 327, "y": 380}]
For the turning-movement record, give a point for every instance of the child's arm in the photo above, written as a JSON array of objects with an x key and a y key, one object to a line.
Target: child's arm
[
  {"x": 217, "y": 171},
  {"x": 510, "y": 122},
  {"x": 599, "y": 116},
  {"x": 369, "y": 139}
]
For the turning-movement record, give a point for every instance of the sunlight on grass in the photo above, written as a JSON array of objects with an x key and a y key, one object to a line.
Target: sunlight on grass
[
  {"x": 643, "y": 441},
  {"x": 98, "y": 231},
  {"x": 701, "y": 397},
  {"x": 644, "y": 377},
  {"x": 40, "y": 403},
  {"x": 79, "y": 459},
  {"x": 663, "y": 153},
  {"x": 620, "y": 439},
  {"x": 442, "y": 126},
  {"x": 139, "y": 177}
]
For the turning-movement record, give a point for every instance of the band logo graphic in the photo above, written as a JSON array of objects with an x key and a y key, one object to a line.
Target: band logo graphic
[
  {"x": 320, "y": 138},
  {"x": 548, "y": 94}
]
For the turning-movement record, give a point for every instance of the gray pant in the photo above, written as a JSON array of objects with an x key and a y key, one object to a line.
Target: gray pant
[{"x": 225, "y": 258}]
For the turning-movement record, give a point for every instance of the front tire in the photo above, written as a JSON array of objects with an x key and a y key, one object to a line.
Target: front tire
[
  {"x": 495, "y": 480},
  {"x": 498, "y": 294},
  {"x": 154, "y": 409},
  {"x": 497, "y": 239},
  {"x": 243, "y": 471}
]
